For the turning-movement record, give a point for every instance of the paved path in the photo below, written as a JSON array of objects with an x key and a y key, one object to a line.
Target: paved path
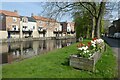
[{"x": 115, "y": 44}]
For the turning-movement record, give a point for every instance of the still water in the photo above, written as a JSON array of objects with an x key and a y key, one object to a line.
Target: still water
[{"x": 10, "y": 52}]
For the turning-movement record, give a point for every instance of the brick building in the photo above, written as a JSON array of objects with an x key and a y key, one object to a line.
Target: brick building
[
  {"x": 10, "y": 23},
  {"x": 46, "y": 27},
  {"x": 15, "y": 26}
]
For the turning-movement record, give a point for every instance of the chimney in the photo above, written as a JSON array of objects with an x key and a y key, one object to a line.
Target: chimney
[
  {"x": 32, "y": 14},
  {"x": 16, "y": 11}
]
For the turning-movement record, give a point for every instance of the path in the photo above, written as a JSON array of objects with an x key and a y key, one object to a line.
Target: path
[{"x": 115, "y": 44}]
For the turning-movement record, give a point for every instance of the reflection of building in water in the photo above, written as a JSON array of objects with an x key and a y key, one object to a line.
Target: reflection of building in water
[
  {"x": 3, "y": 48},
  {"x": 22, "y": 50},
  {"x": 44, "y": 44},
  {"x": 6, "y": 58},
  {"x": 64, "y": 43},
  {"x": 35, "y": 47},
  {"x": 58, "y": 44},
  {"x": 50, "y": 45}
]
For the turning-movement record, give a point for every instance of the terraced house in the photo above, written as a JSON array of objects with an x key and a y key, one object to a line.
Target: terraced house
[
  {"x": 16, "y": 26},
  {"x": 10, "y": 24},
  {"x": 47, "y": 27},
  {"x": 68, "y": 28},
  {"x": 28, "y": 27}
]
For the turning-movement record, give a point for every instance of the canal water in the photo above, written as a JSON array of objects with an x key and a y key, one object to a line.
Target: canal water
[{"x": 10, "y": 52}]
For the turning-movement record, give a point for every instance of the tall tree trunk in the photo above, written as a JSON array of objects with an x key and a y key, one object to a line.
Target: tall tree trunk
[
  {"x": 87, "y": 35},
  {"x": 99, "y": 18},
  {"x": 97, "y": 27},
  {"x": 93, "y": 27}
]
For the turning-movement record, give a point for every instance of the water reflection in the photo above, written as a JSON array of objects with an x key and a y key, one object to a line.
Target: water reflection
[{"x": 10, "y": 52}]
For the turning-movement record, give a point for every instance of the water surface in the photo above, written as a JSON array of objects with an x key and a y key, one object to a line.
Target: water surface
[{"x": 10, "y": 52}]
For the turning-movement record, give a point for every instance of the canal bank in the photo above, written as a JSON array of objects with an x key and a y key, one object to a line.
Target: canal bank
[
  {"x": 35, "y": 39},
  {"x": 54, "y": 64}
]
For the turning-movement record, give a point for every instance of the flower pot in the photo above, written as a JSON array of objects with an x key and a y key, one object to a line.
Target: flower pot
[{"x": 84, "y": 63}]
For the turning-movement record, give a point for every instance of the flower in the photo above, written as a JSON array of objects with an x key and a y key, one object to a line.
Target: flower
[
  {"x": 89, "y": 44},
  {"x": 92, "y": 46},
  {"x": 94, "y": 38},
  {"x": 80, "y": 48},
  {"x": 80, "y": 44}
]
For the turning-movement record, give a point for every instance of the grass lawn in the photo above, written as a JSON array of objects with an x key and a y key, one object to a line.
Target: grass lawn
[{"x": 54, "y": 64}]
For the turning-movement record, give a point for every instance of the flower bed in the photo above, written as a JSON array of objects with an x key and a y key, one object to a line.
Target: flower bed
[{"x": 87, "y": 55}]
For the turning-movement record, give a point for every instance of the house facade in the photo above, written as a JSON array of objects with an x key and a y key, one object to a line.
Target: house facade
[
  {"x": 47, "y": 27},
  {"x": 10, "y": 23},
  {"x": 71, "y": 28},
  {"x": 116, "y": 23},
  {"x": 114, "y": 28},
  {"x": 68, "y": 28},
  {"x": 15, "y": 26},
  {"x": 28, "y": 27}
]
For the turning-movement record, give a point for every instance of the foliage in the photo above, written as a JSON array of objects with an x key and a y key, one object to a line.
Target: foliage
[{"x": 82, "y": 23}]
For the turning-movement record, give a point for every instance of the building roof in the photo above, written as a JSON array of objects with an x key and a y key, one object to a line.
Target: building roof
[
  {"x": 9, "y": 13},
  {"x": 44, "y": 19},
  {"x": 30, "y": 19}
]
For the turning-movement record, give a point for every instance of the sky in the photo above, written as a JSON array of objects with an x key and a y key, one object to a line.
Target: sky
[{"x": 26, "y": 8}]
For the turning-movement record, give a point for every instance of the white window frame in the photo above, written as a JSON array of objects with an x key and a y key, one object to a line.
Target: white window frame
[{"x": 14, "y": 19}]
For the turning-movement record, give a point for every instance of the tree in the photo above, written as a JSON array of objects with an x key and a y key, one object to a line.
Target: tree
[
  {"x": 95, "y": 9},
  {"x": 83, "y": 24}
]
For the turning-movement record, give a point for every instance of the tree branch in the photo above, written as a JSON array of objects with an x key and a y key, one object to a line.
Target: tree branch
[{"x": 87, "y": 9}]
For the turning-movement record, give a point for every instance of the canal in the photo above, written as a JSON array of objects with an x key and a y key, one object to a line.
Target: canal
[{"x": 10, "y": 52}]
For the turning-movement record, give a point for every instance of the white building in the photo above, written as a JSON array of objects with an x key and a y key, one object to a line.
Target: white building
[{"x": 28, "y": 27}]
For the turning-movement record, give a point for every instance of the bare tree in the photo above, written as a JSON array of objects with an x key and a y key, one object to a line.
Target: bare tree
[{"x": 95, "y": 9}]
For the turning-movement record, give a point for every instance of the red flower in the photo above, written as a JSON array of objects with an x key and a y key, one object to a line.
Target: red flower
[
  {"x": 89, "y": 44},
  {"x": 94, "y": 38},
  {"x": 80, "y": 44}
]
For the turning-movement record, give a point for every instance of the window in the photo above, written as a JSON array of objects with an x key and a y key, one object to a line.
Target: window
[
  {"x": 24, "y": 19},
  {"x": 14, "y": 27},
  {"x": 40, "y": 22},
  {"x": 68, "y": 30},
  {"x": 14, "y": 19},
  {"x": 40, "y": 28},
  {"x": 33, "y": 27},
  {"x": 1, "y": 17},
  {"x": 47, "y": 23},
  {"x": 55, "y": 29},
  {"x": 25, "y": 27}
]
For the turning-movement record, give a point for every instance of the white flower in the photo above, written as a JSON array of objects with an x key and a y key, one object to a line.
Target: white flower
[
  {"x": 87, "y": 51},
  {"x": 90, "y": 54},
  {"x": 99, "y": 41},
  {"x": 93, "y": 45},
  {"x": 85, "y": 48},
  {"x": 93, "y": 42},
  {"x": 80, "y": 48}
]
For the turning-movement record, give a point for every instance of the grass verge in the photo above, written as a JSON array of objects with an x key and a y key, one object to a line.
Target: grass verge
[{"x": 54, "y": 64}]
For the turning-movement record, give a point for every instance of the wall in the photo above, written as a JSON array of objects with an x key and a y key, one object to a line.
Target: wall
[
  {"x": 15, "y": 35},
  {"x": 3, "y": 34},
  {"x": 30, "y": 25},
  {"x": 9, "y": 22}
]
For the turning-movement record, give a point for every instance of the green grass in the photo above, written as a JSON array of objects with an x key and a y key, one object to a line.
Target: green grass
[{"x": 54, "y": 64}]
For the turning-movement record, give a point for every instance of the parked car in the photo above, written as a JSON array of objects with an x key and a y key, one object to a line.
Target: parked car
[{"x": 116, "y": 35}]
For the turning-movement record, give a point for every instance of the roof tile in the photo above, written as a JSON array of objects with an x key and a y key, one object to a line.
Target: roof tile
[
  {"x": 9, "y": 13},
  {"x": 44, "y": 19}
]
